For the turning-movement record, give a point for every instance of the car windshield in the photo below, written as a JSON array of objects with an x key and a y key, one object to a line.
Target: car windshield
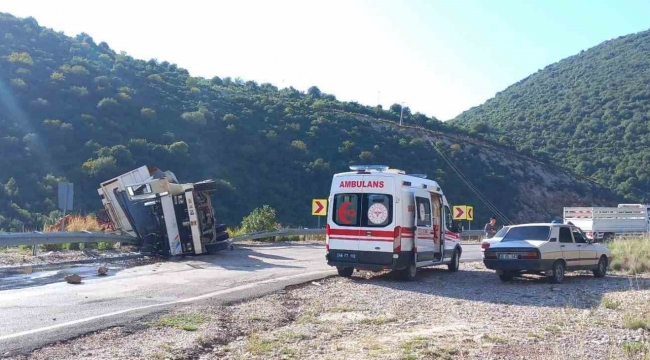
[{"x": 536, "y": 232}]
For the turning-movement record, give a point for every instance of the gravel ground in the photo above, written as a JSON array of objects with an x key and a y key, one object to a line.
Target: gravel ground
[
  {"x": 14, "y": 256},
  {"x": 470, "y": 314}
]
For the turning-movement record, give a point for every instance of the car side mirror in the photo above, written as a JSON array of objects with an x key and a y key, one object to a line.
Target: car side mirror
[{"x": 589, "y": 241}]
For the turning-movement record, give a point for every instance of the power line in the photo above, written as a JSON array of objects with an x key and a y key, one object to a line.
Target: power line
[{"x": 466, "y": 181}]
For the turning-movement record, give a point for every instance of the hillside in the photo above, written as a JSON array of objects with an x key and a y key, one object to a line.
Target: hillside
[
  {"x": 74, "y": 110},
  {"x": 589, "y": 112}
]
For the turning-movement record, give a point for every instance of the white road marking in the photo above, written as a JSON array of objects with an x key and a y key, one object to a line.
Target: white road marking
[{"x": 195, "y": 298}]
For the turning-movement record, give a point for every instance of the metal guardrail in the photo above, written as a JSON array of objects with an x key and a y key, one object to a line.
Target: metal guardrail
[
  {"x": 472, "y": 233},
  {"x": 281, "y": 232},
  {"x": 301, "y": 232},
  {"x": 38, "y": 238}
]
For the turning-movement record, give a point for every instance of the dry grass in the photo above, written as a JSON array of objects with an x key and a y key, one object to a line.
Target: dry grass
[
  {"x": 76, "y": 223},
  {"x": 631, "y": 255}
]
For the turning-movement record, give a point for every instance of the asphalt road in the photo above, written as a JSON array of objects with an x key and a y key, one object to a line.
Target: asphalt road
[{"x": 35, "y": 316}]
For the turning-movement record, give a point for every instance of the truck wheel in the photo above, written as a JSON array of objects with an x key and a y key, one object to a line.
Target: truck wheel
[
  {"x": 601, "y": 270},
  {"x": 558, "y": 273},
  {"x": 455, "y": 262},
  {"x": 345, "y": 271},
  {"x": 220, "y": 228},
  {"x": 411, "y": 272},
  {"x": 608, "y": 237}
]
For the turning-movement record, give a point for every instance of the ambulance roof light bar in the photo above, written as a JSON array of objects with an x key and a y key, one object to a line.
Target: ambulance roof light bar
[{"x": 364, "y": 168}]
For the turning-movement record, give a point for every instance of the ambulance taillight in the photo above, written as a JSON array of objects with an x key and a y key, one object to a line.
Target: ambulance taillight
[
  {"x": 327, "y": 237},
  {"x": 397, "y": 240}
]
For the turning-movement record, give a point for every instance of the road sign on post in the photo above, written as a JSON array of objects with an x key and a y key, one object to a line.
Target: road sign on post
[
  {"x": 460, "y": 212},
  {"x": 470, "y": 215},
  {"x": 319, "y": 207},
  {"x": 66, "y": 193}
]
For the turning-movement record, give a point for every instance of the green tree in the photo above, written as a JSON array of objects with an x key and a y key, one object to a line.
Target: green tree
[
  {"x": 21, "y": 57},
  {"x": 260, "y": 219},
  {"x": 195, "y": 117}
]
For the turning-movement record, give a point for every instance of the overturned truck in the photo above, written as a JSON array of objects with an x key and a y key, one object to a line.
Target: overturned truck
[{"x": 169, "y": 218}]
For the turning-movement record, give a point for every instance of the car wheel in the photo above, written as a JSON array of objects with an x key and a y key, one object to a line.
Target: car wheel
[
  {"x": 558, "y": 273},
  {"x": 601, "y": 270},
  {"x": 506, "y": 276},
  {"x": 455, "y": 262},
  {"x": 411, "y": 271},
  {"x": 345, "y": 271}
]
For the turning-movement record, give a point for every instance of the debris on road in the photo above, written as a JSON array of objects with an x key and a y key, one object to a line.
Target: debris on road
[
  {"x": 467, "y": 315},
  {"x": 73, "y": 279},
  {"x": 15, "y": 256},
  {"x": 102, "y": 271}
]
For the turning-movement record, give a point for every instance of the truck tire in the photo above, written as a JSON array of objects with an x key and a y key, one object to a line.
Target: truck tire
[
  {"x": 345, "y": 271},
  {"x": 223, "y": 236},
  {"x": 220, "y": 228}
]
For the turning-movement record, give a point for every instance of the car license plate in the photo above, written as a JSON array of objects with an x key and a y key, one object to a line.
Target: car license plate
[
  {"x": 346, "y": 256},
  {"x": 508, "y": 256}
]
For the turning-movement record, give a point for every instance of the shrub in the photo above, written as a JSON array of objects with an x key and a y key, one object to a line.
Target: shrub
[
  {"x": 260, "y": 219},
  {"x": 196, "y": 117},
  {"x": 23, "y": 58},
  {"x": 630, "y": 255},
  {"x": 107, "y": 103},
  {"x": 147, "y": 112}
]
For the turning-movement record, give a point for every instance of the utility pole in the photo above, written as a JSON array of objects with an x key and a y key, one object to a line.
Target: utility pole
[{"x": 401, "y": 114}]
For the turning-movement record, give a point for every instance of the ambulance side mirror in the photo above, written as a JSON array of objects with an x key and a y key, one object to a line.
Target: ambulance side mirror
[{"x": 457, "y": 227}]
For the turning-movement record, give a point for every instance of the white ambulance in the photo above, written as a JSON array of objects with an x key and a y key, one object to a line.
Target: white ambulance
[{"x": 381, "y": 218}]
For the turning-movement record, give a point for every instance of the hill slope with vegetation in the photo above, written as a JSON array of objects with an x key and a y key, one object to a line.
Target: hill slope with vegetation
[
  {"x": 74, "y": 110},
  {"x": 589, "y": 112}
]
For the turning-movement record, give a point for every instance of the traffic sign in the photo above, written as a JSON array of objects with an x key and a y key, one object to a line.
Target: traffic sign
[
  {"x": 319, "y": 207},
  {"x": 470, "y": 213},
  {"x": 66, "y": 193},
  {"x": 460, "y": 212}
]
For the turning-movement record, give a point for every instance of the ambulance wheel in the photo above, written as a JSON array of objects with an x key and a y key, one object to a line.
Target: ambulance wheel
[
  {"x": 345, "y": 271},
  {"x": 411, "y": 271},
  {"x": 455, "y": 262}
]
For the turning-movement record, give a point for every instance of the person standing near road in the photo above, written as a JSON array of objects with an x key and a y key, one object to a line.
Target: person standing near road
[{"x": 490, "y": 228}]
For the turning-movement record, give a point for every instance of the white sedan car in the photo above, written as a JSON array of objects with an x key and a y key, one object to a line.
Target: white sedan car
[
  {"x": 548, "y": 249},
  {"x": 486, "y": 243}
]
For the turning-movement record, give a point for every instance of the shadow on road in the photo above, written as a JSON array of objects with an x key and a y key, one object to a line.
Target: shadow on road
[
  {"x": 244, "y": 259},
  {"x": 579, "y": 290}
]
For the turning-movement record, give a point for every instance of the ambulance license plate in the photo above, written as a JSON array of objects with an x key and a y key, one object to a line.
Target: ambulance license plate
[
  {"x": 346, "y": 256},
  {"x": 508, "y": 256}
]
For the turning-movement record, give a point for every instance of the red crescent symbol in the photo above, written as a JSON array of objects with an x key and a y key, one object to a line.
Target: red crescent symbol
[{"x": 346, "y": 215}]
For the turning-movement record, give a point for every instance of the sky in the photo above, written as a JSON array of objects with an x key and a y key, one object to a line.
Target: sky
[{"x": 437, "y": 57}]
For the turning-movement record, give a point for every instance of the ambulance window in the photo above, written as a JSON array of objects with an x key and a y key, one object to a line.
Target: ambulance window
[
  {"x": 448, "y": 221},
  {"x": 367, "y": 210},
  {"x": 423, "y": 208},
  {"x": 377, "y": 210},
  {"x": 346, "y": 207}
]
